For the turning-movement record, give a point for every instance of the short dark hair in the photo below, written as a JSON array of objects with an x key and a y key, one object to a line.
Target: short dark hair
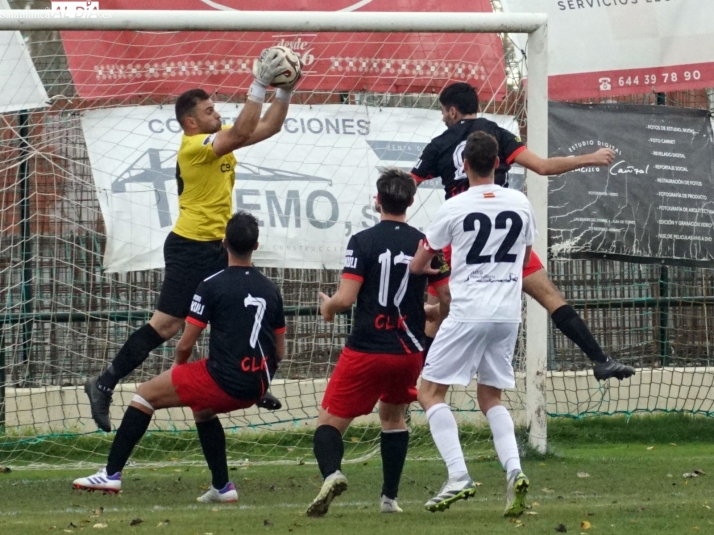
[
  {"x": 187, "y": 101},
  {"x": 481, "y": 152},
  {"x": 396, "y": 190},
  {"x": 241, "y": 233},
  {"x": 460, "y": 95}
]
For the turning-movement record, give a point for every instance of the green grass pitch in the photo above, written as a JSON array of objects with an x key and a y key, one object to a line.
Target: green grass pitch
[{"x": 603, "y": 476}]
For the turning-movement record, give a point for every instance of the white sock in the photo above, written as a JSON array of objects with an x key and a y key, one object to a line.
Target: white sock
[
  {"x": 504, "y": 437},
  {"x": 446, "y": 437}
]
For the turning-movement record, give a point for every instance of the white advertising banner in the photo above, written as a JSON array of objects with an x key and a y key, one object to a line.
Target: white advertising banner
[
  {"x": 311, "y": 185},
  {"x": 600, "y": 48},
  {"x": 20, "y": 86}
]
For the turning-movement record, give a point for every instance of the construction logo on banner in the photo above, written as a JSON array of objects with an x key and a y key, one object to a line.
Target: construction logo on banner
[{"x": 311, "y": 186}]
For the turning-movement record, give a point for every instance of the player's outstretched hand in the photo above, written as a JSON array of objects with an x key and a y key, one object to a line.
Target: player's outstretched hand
[
  {"x": 269, "y": 402},
  {"x": 421, "y": 264},
  {"x": 267, "y": 66},
  {"x": 603, "y": 157},
  {"x": 323, "y": 309}
]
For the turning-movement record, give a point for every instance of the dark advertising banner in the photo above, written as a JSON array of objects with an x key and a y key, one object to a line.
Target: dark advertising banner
[{"x": 655, "y": 203}]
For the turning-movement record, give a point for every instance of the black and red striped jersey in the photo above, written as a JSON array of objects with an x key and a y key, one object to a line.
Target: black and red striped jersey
[
  {"x": 389, "y": 316},
  {"x": 245, "y": 311},
  {"x": 444, "y": 156}
]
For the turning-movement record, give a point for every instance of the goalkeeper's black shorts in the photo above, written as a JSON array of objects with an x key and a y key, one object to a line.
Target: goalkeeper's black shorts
[{"x": 188, "y": 263}]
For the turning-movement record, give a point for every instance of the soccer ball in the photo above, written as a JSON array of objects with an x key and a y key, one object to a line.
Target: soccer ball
[{"x": 292, "y": 67}]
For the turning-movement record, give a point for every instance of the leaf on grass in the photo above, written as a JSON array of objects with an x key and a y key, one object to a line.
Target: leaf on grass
[
  {"x": 585, "y": 525},
  {"x": 699, "y": 472},
  {"x": 477, "y": 483},
  {"x": 71, "y": 525},
  {"x": 583, "y": 474},
  {"x": 67, "y": 530},
  {"x": 136, "y": 522},
  {"x": 267, "y": 522},
  {"x": 99, "y": 526},
  {"x": 5, "y": 470},
  {"x": 560, "y": 528},
  {"x": 705, "y": 505},
  {"x": 589, "y": 514},
  {"x": 690, "y": 475},
  {"x": 650, "y": 448},
  {"x": 672, "y": 444},
  {"x": 535, "y": 504},
  {"x": 354, "y": 439},
  {"x": 515, "y": 521},
  {"x": 99, "y": 511},
  {"x": 669, "y": 475},
  {"x": 547, "y": 491},
  {"x": 214, "y": 510},
  {"x": 164, "y": 523},
  {"x": 531, "y": 513}
]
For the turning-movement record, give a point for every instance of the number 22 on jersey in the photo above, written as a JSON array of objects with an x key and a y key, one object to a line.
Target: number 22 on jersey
[{"x": 485, "y": 228}]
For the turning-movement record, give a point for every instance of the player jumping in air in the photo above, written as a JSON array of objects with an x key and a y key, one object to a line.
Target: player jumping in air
[
  {"x": 490, "y": 230},
  {"x": 443, "y": 157},
  {"x": 247, "y": 340},
  {"x": 205, "y": 172},
  {"x": 383, "y": 355}
]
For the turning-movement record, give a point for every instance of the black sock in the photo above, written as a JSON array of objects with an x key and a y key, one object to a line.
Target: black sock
[
  {"x": 135, "y": 350},
  {"x": 428, "y": 340},
  {"x": 572, "y": 326},
  {"x": 329, "y": 449},
  {"x": 213, "y": 443},
  {"x": 394, "y": 447},
  {"x": 132, "y": 428}
]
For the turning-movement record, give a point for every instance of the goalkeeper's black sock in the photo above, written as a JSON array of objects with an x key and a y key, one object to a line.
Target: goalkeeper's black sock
[
  {"x": 213, "y": 443},
  {"x": 134, "y": 351},
  {"x": 329, "y": 449},
  {"x": 132, "y": 428},
  {"x": 394, "y": 445},
  {"x": 572, "y": 326}
]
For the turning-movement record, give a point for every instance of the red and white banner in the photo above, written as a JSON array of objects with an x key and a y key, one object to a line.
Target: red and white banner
[
  {"x": 122, "y": 64},
  {"x": 602, "y": 48}
]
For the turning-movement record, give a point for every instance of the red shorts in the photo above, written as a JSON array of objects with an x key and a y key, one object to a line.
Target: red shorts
[
  {"x": 534, "y": 264},
  {"x": 362, "y": 379},
  {"x": 197, "y": 389}
]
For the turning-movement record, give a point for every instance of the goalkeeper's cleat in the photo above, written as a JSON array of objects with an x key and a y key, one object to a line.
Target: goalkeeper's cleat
[
  {"x": 389, "y": 505},
  {"x": 516, "y": 494},
  {"x": 334, "y": 485},
  {"x": 99, "y": 481},
  {"x": 269, "y": 402},
  {"x": 99, "y": 402},
  {"x": 612, "y": 368},
  {"x": 227, "y": 494},
  {"x": 451, "y": 491}
]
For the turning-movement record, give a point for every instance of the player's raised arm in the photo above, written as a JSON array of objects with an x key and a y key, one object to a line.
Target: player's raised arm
[
  {"x": 265, "y": 68},
  {"x": 561, "y": 164}
]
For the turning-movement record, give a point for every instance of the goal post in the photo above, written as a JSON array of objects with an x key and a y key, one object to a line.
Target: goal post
[{"x": 534, "y": 344}]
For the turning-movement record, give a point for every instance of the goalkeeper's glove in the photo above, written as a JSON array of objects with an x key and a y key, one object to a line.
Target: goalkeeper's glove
[{"x": 267, "y": 66}]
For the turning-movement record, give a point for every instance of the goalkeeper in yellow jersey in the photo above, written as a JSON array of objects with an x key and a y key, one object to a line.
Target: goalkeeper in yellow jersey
[{"x": 193, "y": 250}]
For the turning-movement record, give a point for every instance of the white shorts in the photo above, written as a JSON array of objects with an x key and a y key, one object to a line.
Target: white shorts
[{"x": 463, "y": 349}]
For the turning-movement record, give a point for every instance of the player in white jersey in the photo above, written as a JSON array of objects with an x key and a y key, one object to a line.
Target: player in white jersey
[{"x": 491, "y": 230}]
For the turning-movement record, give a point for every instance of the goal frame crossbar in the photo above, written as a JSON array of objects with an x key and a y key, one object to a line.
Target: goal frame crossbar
[{"x": 535, "y": 25}]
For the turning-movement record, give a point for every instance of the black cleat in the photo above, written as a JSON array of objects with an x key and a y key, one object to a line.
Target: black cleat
[
  {"x": 269, "y": 402},
  {"x": 611, "y": 368},
  {"x": 99, "y": 402}
]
